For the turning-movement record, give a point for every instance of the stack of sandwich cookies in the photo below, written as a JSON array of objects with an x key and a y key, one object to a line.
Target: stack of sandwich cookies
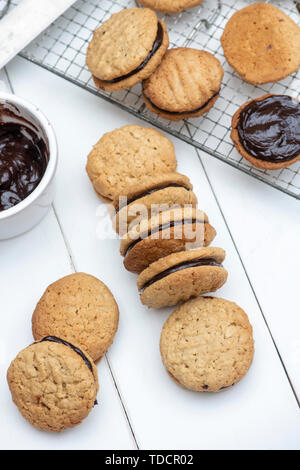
[
  {"x": 124, "y": 156},
  {"x": 207, "y": 344},
  {"x": 126, "y": 48},
  {"x": 151, "y": 195},
  {"x": 186, "y": 84},
  {"x": 53, "y": 383},
  {"x": 169, "y": 232},
  {"x": 180, "y": 276},
  {"x": 266, "y": 131}
]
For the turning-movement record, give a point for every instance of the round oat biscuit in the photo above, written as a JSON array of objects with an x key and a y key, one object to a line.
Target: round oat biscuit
[
  {"x": 124, "y": 156},
  {"x": 279, "y": 130},
  {"x": 53, "y": 383},
  {"x": 262, "y": 44},
  {"x": 169, "y": 232},
  {"x": 186, "y": 84},
  {"x": 207, "y": 344},
  {"x": 80, "y": 309},
  {"x": 150, "y": 196},
  {"x": 180, "y": 276},
  {"x": 126, "y": 48},
  {"x": 170, "y": 6}
]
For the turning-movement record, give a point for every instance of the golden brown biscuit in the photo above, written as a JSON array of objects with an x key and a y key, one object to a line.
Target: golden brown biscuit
[
  {"x": 124, "y": 156},
  {"x": 151, "y": 195},
  {"x": 126, "y": 48},
  {"x": 170, "y": 6},
  {"x": 265, "y": 131},
  {"x": 186, "y": 84},
  {"x": 169, "y": 232},
  {"x": 53, "y": 383},
  {"x": 262, "y": 43},
  {"x": 180, "y": 276},
  {"x": 80, "y": 309},
  {"x": 207, "y": 344}
]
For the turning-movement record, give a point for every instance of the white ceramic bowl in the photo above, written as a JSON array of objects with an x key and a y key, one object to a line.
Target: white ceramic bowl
[{"x": 29, "y": 212}]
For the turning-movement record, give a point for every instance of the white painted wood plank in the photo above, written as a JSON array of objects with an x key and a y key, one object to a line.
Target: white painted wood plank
[
  {"x": 28, "y": 264},
  {"x": 265, "y": 225},
  {"x": 260, "y": 412}
]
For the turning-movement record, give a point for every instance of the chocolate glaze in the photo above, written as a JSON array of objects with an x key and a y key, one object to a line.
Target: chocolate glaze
[
  {"x": 162, "y": 227},
  {"x": 176, "y": 113},
  {"x": 54, "y": 339},
  {"x": 23, "y": 158},
  {"x": 157, "y": 43},
  {"x": 178, "y": 267},
  {"x": 150, "y": 191},
  {"x": 269, "y": 129}
]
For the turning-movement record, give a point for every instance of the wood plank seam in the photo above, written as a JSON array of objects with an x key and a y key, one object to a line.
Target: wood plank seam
[{"x": 247, "y": 276}]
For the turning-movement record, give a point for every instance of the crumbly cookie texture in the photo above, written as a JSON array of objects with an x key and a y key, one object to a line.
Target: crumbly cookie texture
[
  {"x": 207, "y": 344},
  {"x": 121, "y": 43},
  {"x": 175, "y": 191},
  {"x": 195, "y": 231},
  {"x": 186, "y": 83},
  {"x": 264, "y": 165},
  {"x": 170, "y": 6},
  {"x": 123, "y": 156},
  {"x": 78, "y": 308},
  {"x": 142, "y": 74},
  {"x": 52, "y": 386},
  {"x": 262, "y": 43},
  {"x": 183, "y": 284}
]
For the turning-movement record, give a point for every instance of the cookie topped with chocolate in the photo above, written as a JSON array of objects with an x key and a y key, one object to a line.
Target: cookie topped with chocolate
[
  {"x": 126, "y": 48},
  {"x": 266, "y": 131},
  {"x": 186, "y": 84}
]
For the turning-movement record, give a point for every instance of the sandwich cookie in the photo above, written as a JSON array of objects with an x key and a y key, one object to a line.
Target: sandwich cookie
[
  {"x": 186, "y": 84},
  {"x": 165, "y": 233},
  {"x": 126, "y": 48},
  {"x": 170, "y": 6},
  {"x": 124, "y": 156},
  {"x": 81, "y": 309},
  {"x": 266, "y": 131},
  {"x": 53, "y": 383},
  {"x": 207, "y": 344},
  {"x": 150, "y": 196},
  {"x": 262, "y": 44},
  {"x": 180, "y": 276}
]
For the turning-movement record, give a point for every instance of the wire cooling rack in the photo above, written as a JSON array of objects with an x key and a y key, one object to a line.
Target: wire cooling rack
[{"x": 62, "y": 47}]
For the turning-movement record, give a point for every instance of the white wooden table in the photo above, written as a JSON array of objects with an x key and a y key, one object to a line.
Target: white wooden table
[{"x": 139, "y": 405}]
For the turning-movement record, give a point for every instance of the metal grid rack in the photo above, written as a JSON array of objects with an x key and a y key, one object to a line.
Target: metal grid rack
[{"x": 62, "y": 47}]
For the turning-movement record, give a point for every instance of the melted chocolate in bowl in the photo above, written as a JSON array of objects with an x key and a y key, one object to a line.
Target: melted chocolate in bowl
[
  {"x": 24, "y": 156},
  {"x": 269, "y": 129}
]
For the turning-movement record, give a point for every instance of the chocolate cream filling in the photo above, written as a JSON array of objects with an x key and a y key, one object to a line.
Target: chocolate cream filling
[
  {"x": 156, "y": 45},
  {"x": 148, "y": 192},
  {"x": 269, "y": 129},
  {"x": 178, "y": 267},
  {"x": 162, "y": 227},
  {"x": 176, "y": 113}
]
